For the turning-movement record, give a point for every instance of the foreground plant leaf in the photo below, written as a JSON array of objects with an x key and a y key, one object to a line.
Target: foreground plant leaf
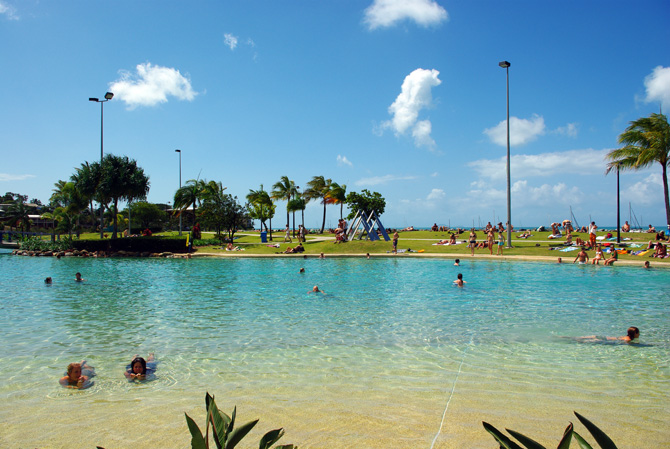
[
  {"x": 582, "y": 442},
  {"x": 501, "y": 438},
  {"x": 567, "y": 437},
  {"x": 197, "y": 440},
  {"x": 270, "y": 438},
  {"x": 239, "y": 433},
  {"x": 601, "y": 438}
]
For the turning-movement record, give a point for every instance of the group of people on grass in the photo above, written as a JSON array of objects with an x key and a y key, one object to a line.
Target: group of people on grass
[{"x": 490, "y": 241}]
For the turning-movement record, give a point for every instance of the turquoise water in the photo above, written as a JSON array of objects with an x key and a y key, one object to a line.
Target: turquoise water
[{"x": 373, "y": 363}]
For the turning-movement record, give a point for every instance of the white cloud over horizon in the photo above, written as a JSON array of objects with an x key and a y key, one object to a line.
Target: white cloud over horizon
[
  {"x": 647, "y": 191},
  {"x": 386, "y": 13},
  {"x": 230, "y": 40},
  {"x": 342, "y": 160},
  {"x": 379, "y": 180},
  {"x": 521, "y": 131},
  {"x": 415, "y": 95},
  {"x": 12, "y": 177},
  {"x": 657, "y": 85},
  {"x": 151, "y": 85},
  {"x": 539, "y": 165}
]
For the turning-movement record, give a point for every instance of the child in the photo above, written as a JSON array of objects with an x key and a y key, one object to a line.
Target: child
[
  {"x": 140, "y": 368},
  {"x": 459, "y": 281},
  {"x": 78, "y": 376}
]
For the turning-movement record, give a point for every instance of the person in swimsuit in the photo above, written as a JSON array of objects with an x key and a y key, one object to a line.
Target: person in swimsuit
[
  {"x": 472, "y": 241},
  {"x": 140, "y": 368},
  {"x": 395, "y": 242},
  {"x": 316, "y": 289},
  {"x": 78, "y": 278},
  {"x": 48, "y": 281},
  {"x": 632, "y": 336},
  {"x": 489, "y": 241},
  {"x": 582, "y": 256},
  {"x": 459, "y": 280},
  {"x": 287, "y": 234},
  {"x": 78, "y": 375},
  {"x": 613, "y": 258},
  {"x": 592, "y": 234},
  {"x": 598, "y": 257},
  {"x": 501, "y": 243}
]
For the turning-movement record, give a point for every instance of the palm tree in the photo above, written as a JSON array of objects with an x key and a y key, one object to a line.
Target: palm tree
[
  {"x": 284, "y": 189},
  {"x": 338, "y": 195},
  {"x": 189, "y": 194},
  {"x": 646, "y": 140},
  {"x": 68, "y": 204},
  {"x": 17, "y": 214},
  {"x": 318, "y": 188},
  {"x": 86, "y": 180},
  {"x": 261, "y": 202}
]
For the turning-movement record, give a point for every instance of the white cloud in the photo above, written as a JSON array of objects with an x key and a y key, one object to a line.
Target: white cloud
[
  {"x": 415, "y": 94},
  {"x": 8, "y": 10},
  {"x": 377, "y": 180},
  {"x": 646, "y": 192},
  {"x": 342, "y": 160},
  {"x": 569, "y": 130},
  {"x": 151, "y": 85},
  {"x": 521, "y": 131},
  {"x": 524, "y": 194},
  {"x": 11, "y": 177},
  {"x": 583, "y": 162},
  {"x": 386, "y": 13},
  {"x": 436, "y": 195},
  {"x": 658, "y": 86},
  {"x": 230, "y": 40}
]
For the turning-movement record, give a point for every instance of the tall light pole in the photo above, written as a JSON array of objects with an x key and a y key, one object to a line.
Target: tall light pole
[
  {"x": 108, "y": 96},
  {"x": 618, "y": 208},
  {"x": 505, "y": 65},
  {"x": 179, "y": 151}
]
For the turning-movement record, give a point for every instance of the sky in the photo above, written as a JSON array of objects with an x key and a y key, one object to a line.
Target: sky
[{"x": 402, "y": 97}]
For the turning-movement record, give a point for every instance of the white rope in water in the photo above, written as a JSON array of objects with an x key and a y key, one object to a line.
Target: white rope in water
[{"x": 451, "y": 394}]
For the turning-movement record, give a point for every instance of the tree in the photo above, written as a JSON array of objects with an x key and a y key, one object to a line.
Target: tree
[
  {"x": 318, "y": 188},
  {"x": 338, "y": 195},
  {"x": 222, "y": 211},
  {"x": 146, "y": 214},
  {"x": 646, "y": 140},
  {"x": 67, "y": 203},
  {"x": 189, "y": 194},
  {"x": 261, "y": 207},
  {"x": 17, "y": 213},
  {"x": 284, "y": 189},
  {"x": 86, "y": 179},
  {"x": 366, "y": 202},
  {"x": 121, "y": 179}
]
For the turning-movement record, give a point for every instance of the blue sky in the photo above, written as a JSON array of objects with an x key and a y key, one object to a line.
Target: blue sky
[{"x": 401, "y": 97}]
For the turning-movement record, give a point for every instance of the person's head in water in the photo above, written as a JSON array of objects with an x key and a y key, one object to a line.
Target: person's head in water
[
  {"x": 138, "y": 366},
  {"x": 460, "y": 276},
  {"x": 48, "y": 280},
  {"x": 77, "y": 276},
  {"x": 302, "y": 270},
  {"x": 633, "y": 333},
  {"x": 316, "y": 289},
  {"x": 74, "y": 372},
  {"x": 457, "y": 262},
  {"x": 560, "y": 260},
  {"x": 647, "y": 264}
]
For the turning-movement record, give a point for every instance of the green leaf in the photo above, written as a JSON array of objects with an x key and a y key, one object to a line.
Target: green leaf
[
  {"x": 502, "y": 439},
  {"x": 567, "y": 436},
  {"x": 526, "y": 441},
  {"x": 270, "y": 438},
  {"x": 601, "y": 438},
  {"x": 582, "y": 442},
  {"x": 197, "y": 440},
  {"x": 219, "y": 424},
  {"x": 239, "y": 433},
  {"x": 286, "y": 446}
]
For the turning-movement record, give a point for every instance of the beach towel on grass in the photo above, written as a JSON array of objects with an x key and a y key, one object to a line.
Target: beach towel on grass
[
  {"x": 641, "y": 253},
  {"x": 568, "y": 249}
]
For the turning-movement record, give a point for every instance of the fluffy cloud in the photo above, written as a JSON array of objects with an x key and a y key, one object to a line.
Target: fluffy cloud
[
  {"x": 658, "y": 86},
  {"x": 151, "y": 85},
  {"x": 436, "y": 195},
  {"x": 569, "y": 130},
  {"x": 521, "y": 131},
  {"x": 230, "y": 40},
  {"x": 386, "y": 13},
  {"x": 415, "y": 94},
  {"x": 9, "y": 11},
  {"x": 342, "y": 160},
  {"x": 377, "y": 180},
  {"x": 646, "y": 192},
  {"x": 524, "y": 194},
  {"x": 11, "y": 177},
  {"x": 539, "y": 165}
]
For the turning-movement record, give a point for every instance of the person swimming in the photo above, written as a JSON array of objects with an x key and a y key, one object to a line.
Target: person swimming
[
  {"x": 632, "y": 336},
  {"x": 316, "y": 290},
  {"x": 459, "y": 280},
  {"x": 140, "y": 368},
  {"x": 78, "y": 376}
]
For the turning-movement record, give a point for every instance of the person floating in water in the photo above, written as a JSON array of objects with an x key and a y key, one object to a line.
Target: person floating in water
[
  {"x": 457, "y": 262},
  {"x": 140, "y": 368},
  {"x": 78, "y": 376},
  {"x": 78, "y": 278},
  {"x": 48, "y": 281},
  {"x": 632, "y": 336},
  {"x": 316, "y": 290},
  {"x": 459, "y": 280}
]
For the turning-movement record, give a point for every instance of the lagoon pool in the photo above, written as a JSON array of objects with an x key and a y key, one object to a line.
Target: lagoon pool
[{"x": 392, "y": 356}]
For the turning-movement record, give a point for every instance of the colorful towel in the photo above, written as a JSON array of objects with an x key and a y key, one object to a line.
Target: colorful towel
[{"x": 568, "y": 249}]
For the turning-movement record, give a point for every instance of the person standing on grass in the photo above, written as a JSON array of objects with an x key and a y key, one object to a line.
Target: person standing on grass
[
  {"x": 472, "y": 241},
  {"x": 489, "y": 241},
  {"x": 592, "y": 234},
  {"x": 501, "y": 243},
  {"x": 395, "y": 242},
  {"x": 287, "y": 234}
]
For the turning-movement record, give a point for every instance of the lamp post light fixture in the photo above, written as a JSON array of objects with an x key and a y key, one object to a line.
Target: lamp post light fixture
[
  {"x": 505, "y": 65},
  {"x": 618, "y": 208},
  {"x": 179, "y": 151},
  {"x": 108, "y": 96}
]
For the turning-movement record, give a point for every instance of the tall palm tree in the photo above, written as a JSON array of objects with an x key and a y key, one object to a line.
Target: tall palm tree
[
  {"x": 86, "y": 180},
  {"x": 17, "y": 214},
  {"x": 261, "y": 202},
  {"x": 318, "y": 188},
  {"x": 338, "y": 195},
  {"x": 284, "y": 189},
  {"x": 646, "y": 140},
  {"x": 68, "y": 203},
  {"x": 189, "y": 194}
]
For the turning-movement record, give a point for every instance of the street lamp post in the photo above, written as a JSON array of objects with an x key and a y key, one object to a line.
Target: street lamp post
[
  {"x": 618, "y": 208},
  {"x": 505, "y": 65},
  {"x": 108, "y": 96},
  {"x": 179, "y": 151}
]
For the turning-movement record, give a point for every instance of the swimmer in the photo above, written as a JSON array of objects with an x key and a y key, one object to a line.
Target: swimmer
[
  {"x": 632, "y": 336},
  {"x": 302, "y": 270},
  {"x": 316, "y": 290},
  {"x": 459, "y": 280},
  {"x": 582, "y": 256},
  {"x": 78, "y": 278},
  {"x": 647, "y": 264},
  {"x": 457, "y": 262},
  {"x": 49, "y": 282},
  {"x": 322, "y": 256},
  {"x": 78, "y": 374},
  {"x": 367, "y": 255},
  {"x": 139, "y": 368},
  {"x": 559, "y": 260}
]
